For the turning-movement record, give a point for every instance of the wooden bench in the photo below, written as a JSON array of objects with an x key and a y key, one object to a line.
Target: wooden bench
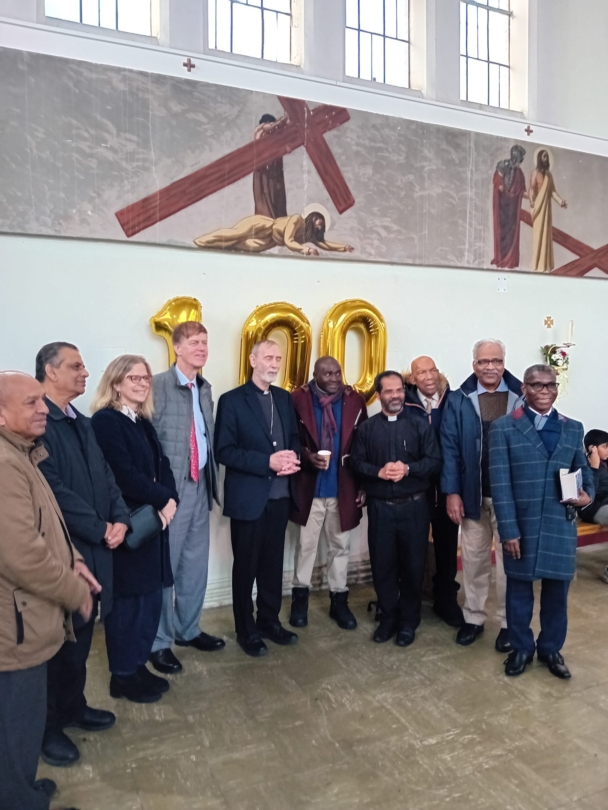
[{"x": 590, "y": 533}]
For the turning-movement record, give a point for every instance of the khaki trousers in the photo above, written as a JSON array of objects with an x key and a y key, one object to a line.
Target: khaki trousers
[
  {"x": 324, "y": 514},
  {"x": 476, "y": 546}
]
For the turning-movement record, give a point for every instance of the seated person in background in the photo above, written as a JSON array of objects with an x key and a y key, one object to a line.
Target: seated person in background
[{"x": 596, "y": 445}]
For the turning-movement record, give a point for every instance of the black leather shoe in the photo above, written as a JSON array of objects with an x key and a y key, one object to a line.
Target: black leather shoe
[
  {"x": 502, "y": 643},
  {"x": 278, "y": 634},
  {"x": 405, "y": 637},
  {"x": 385, "y": 631},
  {"x": 298, "y": 616},
  {"x": 252, "y": 645},
  {"x": 93, "y": 720},
  {"x": 164, "y": 661},
  {"x": 203, "y": 642},
  {"x": 450, "y": 612},
  {"x": 133, "y": 688},
  {"x": 517, "y": 662},
  {"x": 160, "y": 684},
  {"x": 340, "y": 611},
  {"x": 58, "y": 750},
  {"x": 557, "y": 665},
  {"x": 46, "y": 786},
  {"x": 468, "y": 633}
]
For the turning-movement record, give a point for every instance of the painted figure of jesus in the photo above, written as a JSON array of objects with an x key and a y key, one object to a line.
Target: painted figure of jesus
[
  {"x": 542, "y": 192},
  {"x": 269, "y": 181},
  {"x": 509, "y": 189},
  {"x": 257, "y": 234}
]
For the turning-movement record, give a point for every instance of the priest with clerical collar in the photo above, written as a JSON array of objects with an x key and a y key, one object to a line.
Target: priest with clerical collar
[
  {"x": 528, "y": 450},
  {"x": 394, "y": 455}
]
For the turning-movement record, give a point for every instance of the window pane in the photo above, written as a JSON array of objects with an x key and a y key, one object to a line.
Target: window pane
[
  {"x": 463, "y": 28},
  {"x": 246, "y": 30},
  {"x": 482, "y": 33},
  {"x": 472, "y": 31},
  {"x": 63, "y": 9},
  {"x": 463, "y": 78},
  {"x": 494, "y": 89},
  {"x": 134, "y": 16},
  {"x": 378, "y": 58},
  {"x": 351, "y": 50},
  {"x": 494, "y": 3},
  {"x": 365, "y": 55},
  {"x": 107, "y": 13},
  {"x": 504, "y": 87},
  {"x": 224, "y": 24},
  {"x": 352, "y": 13},
  {"x": 283, "y": 38},
  {"x": 403, "y": 25},
  {"x": 211, "y": 22},
  {"x": 504, "y": 4},
  {"x": 372, "y": 17},
  {"x": 397, "y": 63},
  {"x": 277, "y": 5},
  {"x": 478, "y": 81},
  {"x": 270, "y": 35},
  {"x": 90, "y": 12},
  {"x": 499, "y": 38},
  {"x": 390, "y": 18}
]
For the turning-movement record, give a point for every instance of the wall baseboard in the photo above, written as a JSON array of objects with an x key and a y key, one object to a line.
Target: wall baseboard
[{"x": 219, "y": 592}]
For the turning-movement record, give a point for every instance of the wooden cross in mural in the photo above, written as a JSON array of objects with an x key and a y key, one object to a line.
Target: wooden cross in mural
[
  {"x": 304, "y": 127},
  {"x": 588, "y": 257}
]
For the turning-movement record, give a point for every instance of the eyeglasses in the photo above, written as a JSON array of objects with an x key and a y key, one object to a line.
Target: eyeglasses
[
  {"x": 537, "y": 387},
  {"x": 138, "y": 379},
  {"x": 495, "y": 362}
]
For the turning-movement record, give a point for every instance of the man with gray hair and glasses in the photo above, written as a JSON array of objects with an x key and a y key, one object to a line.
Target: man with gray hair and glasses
[{"x": 489, "y": 393}]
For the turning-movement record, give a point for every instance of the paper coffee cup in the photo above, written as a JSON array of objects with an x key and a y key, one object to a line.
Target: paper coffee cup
[{"x": 324, "y": 453}]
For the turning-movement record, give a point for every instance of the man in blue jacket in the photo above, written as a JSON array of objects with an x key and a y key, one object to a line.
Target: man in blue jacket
[
  {"x": 257, "y": 440},
  {"x": 528, "y": 451},
  {"x": 489, "y": 393}
]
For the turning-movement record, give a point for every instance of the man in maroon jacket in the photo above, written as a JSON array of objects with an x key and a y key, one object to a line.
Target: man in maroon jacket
[{"x": 328, "y": 414}]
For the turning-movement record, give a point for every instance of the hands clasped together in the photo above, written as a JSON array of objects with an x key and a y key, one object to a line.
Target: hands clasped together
[
  {"x": 394, "y": 471},
  {"x": 285, "y": 462}
]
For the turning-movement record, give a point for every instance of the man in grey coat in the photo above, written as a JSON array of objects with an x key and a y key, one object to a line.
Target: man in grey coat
[{"x": 183, "y": 418}]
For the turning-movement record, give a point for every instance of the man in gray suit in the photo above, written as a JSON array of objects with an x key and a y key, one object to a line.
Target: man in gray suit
[{"x": 183, "y": 418}]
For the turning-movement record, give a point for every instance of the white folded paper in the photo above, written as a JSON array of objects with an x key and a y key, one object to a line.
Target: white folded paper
[{"x": 572, "y": 483}]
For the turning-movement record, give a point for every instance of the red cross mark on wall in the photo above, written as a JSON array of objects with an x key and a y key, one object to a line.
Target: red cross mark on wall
[
  {"x": 304, "y": 127},
  {"x": 588, "y": 257}
]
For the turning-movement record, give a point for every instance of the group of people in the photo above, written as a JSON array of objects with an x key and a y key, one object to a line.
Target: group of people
[{"x": 483, "y": 461}]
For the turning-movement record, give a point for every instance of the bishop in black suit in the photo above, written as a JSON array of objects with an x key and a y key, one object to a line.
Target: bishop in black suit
[{"x": 257, "y": 440}]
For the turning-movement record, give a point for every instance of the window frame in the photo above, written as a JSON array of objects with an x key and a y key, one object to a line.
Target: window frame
[
  {"x": 509, "y": 13},
  {"x": 408, "y": 42},
  {"x": 295, "y": 44},
  {"x": 62, "y": 22}
]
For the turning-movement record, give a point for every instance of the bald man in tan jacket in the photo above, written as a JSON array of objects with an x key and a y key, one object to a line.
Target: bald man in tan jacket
[{"x": 42, "y": 580}]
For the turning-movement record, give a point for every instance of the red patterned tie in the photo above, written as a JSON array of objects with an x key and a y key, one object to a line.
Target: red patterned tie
[{"x": 193, "y": 447}]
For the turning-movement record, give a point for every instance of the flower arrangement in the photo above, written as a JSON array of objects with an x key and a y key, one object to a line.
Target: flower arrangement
[{"x": 556, "y": 356}]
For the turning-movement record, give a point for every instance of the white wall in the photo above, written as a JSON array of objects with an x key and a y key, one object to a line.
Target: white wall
[{"x": 101, "y": 296}]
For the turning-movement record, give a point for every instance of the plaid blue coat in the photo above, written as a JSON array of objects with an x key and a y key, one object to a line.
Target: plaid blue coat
[{"x": 526, "y": 494}]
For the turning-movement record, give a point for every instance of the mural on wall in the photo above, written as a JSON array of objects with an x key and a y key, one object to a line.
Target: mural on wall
[{"x": 98, "y": 152}]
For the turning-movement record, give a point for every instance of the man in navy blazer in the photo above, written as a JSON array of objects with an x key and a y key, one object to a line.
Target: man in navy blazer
[
  {"x": 528, "y": 450},
  {"x": 256, "y": 438}
]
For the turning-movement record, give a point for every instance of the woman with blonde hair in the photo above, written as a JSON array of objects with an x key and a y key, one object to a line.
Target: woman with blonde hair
[{"x": 121, "y": 421}]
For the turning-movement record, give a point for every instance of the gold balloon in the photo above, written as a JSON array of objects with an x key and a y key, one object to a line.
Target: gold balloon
[
  {"x": 296, "y": 326},
  {"x": 177, "y": 310},
  {"x": 356, "y": 314}
]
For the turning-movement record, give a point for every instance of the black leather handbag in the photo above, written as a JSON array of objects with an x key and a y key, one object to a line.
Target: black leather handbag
[{"x": 145, "y": 524}]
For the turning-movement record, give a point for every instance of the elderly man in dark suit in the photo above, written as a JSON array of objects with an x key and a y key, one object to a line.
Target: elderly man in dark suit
[
  {"x": 97, "y": 520},
  {"x": 528, "y": 450},
  {"x": 257, "y": 440}
]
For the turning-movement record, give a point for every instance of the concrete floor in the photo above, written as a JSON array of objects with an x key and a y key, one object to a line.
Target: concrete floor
[{"x": 340, "y": 722}]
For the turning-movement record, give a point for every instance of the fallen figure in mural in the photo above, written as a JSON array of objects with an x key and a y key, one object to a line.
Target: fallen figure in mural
[{"x": 257, "y": 234}]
